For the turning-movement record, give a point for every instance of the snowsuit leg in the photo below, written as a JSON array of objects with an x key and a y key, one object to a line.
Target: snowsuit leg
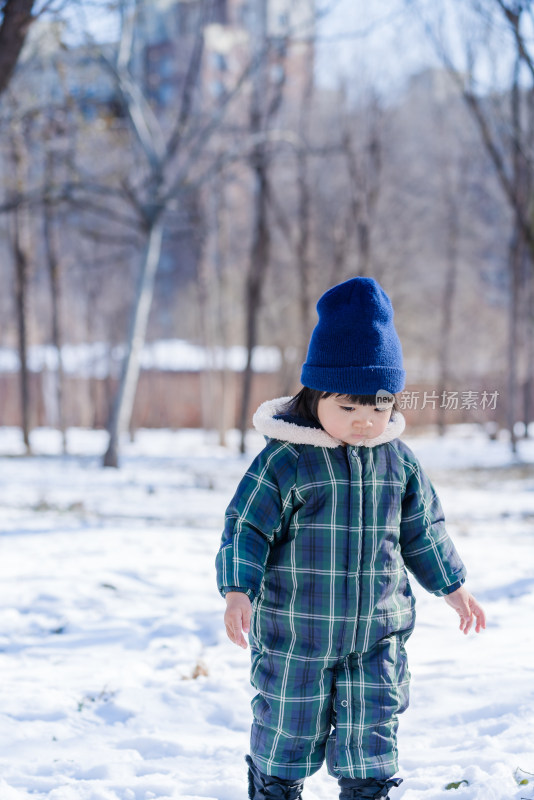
[
  {"x": 372, "y": 688},
  {"x": 292, "y": 714},
  {"x": 299, "y": 700}
]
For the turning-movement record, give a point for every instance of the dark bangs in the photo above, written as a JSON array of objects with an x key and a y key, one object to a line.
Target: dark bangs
[{"x": 304, "y": 404}]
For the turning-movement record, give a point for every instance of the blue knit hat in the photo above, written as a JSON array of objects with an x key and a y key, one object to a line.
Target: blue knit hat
[{"x": 354, "y": 348}]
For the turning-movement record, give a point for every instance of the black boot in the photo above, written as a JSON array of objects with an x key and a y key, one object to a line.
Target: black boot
[
  {"x": 366, "y": 788},
  {"x": 265, "y": 787}
]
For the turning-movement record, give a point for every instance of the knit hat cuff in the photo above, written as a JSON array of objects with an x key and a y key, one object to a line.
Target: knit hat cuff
[{"x": 353, "y": 380}]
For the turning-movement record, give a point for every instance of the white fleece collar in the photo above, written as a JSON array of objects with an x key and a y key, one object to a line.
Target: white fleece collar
[{"x": 265, "y": 423}]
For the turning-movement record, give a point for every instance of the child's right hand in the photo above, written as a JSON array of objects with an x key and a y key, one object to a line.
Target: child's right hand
[{"x": 237, "y": 617}]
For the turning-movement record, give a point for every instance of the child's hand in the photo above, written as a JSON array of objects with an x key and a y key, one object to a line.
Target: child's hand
[
  {"x": 237, "y": 616},
  {"x": 468, "y": 609}
]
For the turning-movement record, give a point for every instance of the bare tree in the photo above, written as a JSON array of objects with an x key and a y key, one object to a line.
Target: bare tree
[
  {"x": 217, "y": 312},
  {"x": 260, "y": 118},
  {"x": 20, "y": 243},
  {"x": 170, "y": 170},
  {"x": 16, "y": 18},
  {"x": 359, "y": 153},
  {"x": 452, "y": 186},
  {"x": 53, "y": 264},
  {"x": 304, "y": 214},
  {"x": 151, "y": 202},
  {"x": 507, "y": 138},
  {"x": 452, "y": 233}
]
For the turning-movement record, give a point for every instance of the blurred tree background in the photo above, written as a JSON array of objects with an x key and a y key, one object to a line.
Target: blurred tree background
[{"x": 182, "y": 179}]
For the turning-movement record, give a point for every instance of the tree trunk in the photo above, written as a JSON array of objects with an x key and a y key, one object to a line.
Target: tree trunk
[
  {"x": 217, "y": 405},
  {"x": 339, "y": 251},
  {"x": 21, "y": 254},
  {"x": 124, "y": 399},
  {"x": 529, "y": 346},
  {"x": 21, "y": 291},
  {"x": 515, "y": 257},
  {"x": 226, "y": 407},
  {"x": 304, "y": 264},
  {"x": 303, "y": 256},
  {"x": 259, "y": 252},
  {"x": 259, "y": 259},
  {"x": 447, "y": 308},
  {"x": 517, "y": 252},
  {"x": 53, "y": 272},
  {"x": 17, "y": 18},
  {"x": 208, "y": 335}
]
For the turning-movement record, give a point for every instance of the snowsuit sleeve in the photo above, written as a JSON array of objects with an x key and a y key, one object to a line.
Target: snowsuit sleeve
[
  {"x": 427, "y": 549},
  {"x": 256, "y": 518}
]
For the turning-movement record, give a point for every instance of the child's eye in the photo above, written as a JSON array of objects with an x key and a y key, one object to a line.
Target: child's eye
[
  {"x": 346, "y": 408},
  {"x": 381, "y": 410}
]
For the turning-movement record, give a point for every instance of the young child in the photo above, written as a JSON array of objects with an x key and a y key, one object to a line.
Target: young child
[{"x": 314, "y": 557}]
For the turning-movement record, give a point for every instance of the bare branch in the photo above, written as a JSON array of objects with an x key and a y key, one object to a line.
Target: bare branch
[
  {"x": 514, "y": 20},
  {"x": 281, "y": 218},
  {"x": 144, "y": 121},
  {"x": 86, "y": 204},
  {"x": 492, "y": 148},
  {"x": 199, "y": 139},
  {"x": 127, "y": 36},
  {"x": 190, "y": 82}
]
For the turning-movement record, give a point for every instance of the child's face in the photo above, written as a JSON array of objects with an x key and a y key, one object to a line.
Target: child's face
[{"x": 351, "y": 422}]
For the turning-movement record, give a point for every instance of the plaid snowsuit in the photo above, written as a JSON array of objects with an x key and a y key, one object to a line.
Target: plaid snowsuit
[{"x": 320, "y": 538}]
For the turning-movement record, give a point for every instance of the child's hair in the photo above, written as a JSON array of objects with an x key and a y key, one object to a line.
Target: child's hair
[{"x": 304, "y": 404}]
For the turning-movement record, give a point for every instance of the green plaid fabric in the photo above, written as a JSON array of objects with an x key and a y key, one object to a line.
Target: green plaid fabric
[
  {"x": 345, "y": 709},
  {"x": 321, "y": 540}
]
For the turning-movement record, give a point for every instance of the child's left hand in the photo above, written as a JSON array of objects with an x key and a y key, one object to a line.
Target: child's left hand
[{"x": 468, "y": 609}]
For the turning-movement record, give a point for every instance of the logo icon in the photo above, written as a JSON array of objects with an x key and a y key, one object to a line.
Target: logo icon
[{"x": 384, "y": 399}]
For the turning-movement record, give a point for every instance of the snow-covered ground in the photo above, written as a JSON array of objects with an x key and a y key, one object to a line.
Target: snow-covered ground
[{"x": 117, "y": 681}]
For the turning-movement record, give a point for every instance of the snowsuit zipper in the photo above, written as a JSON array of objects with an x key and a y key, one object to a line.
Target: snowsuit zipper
[{"x": 354, "y": 553}]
